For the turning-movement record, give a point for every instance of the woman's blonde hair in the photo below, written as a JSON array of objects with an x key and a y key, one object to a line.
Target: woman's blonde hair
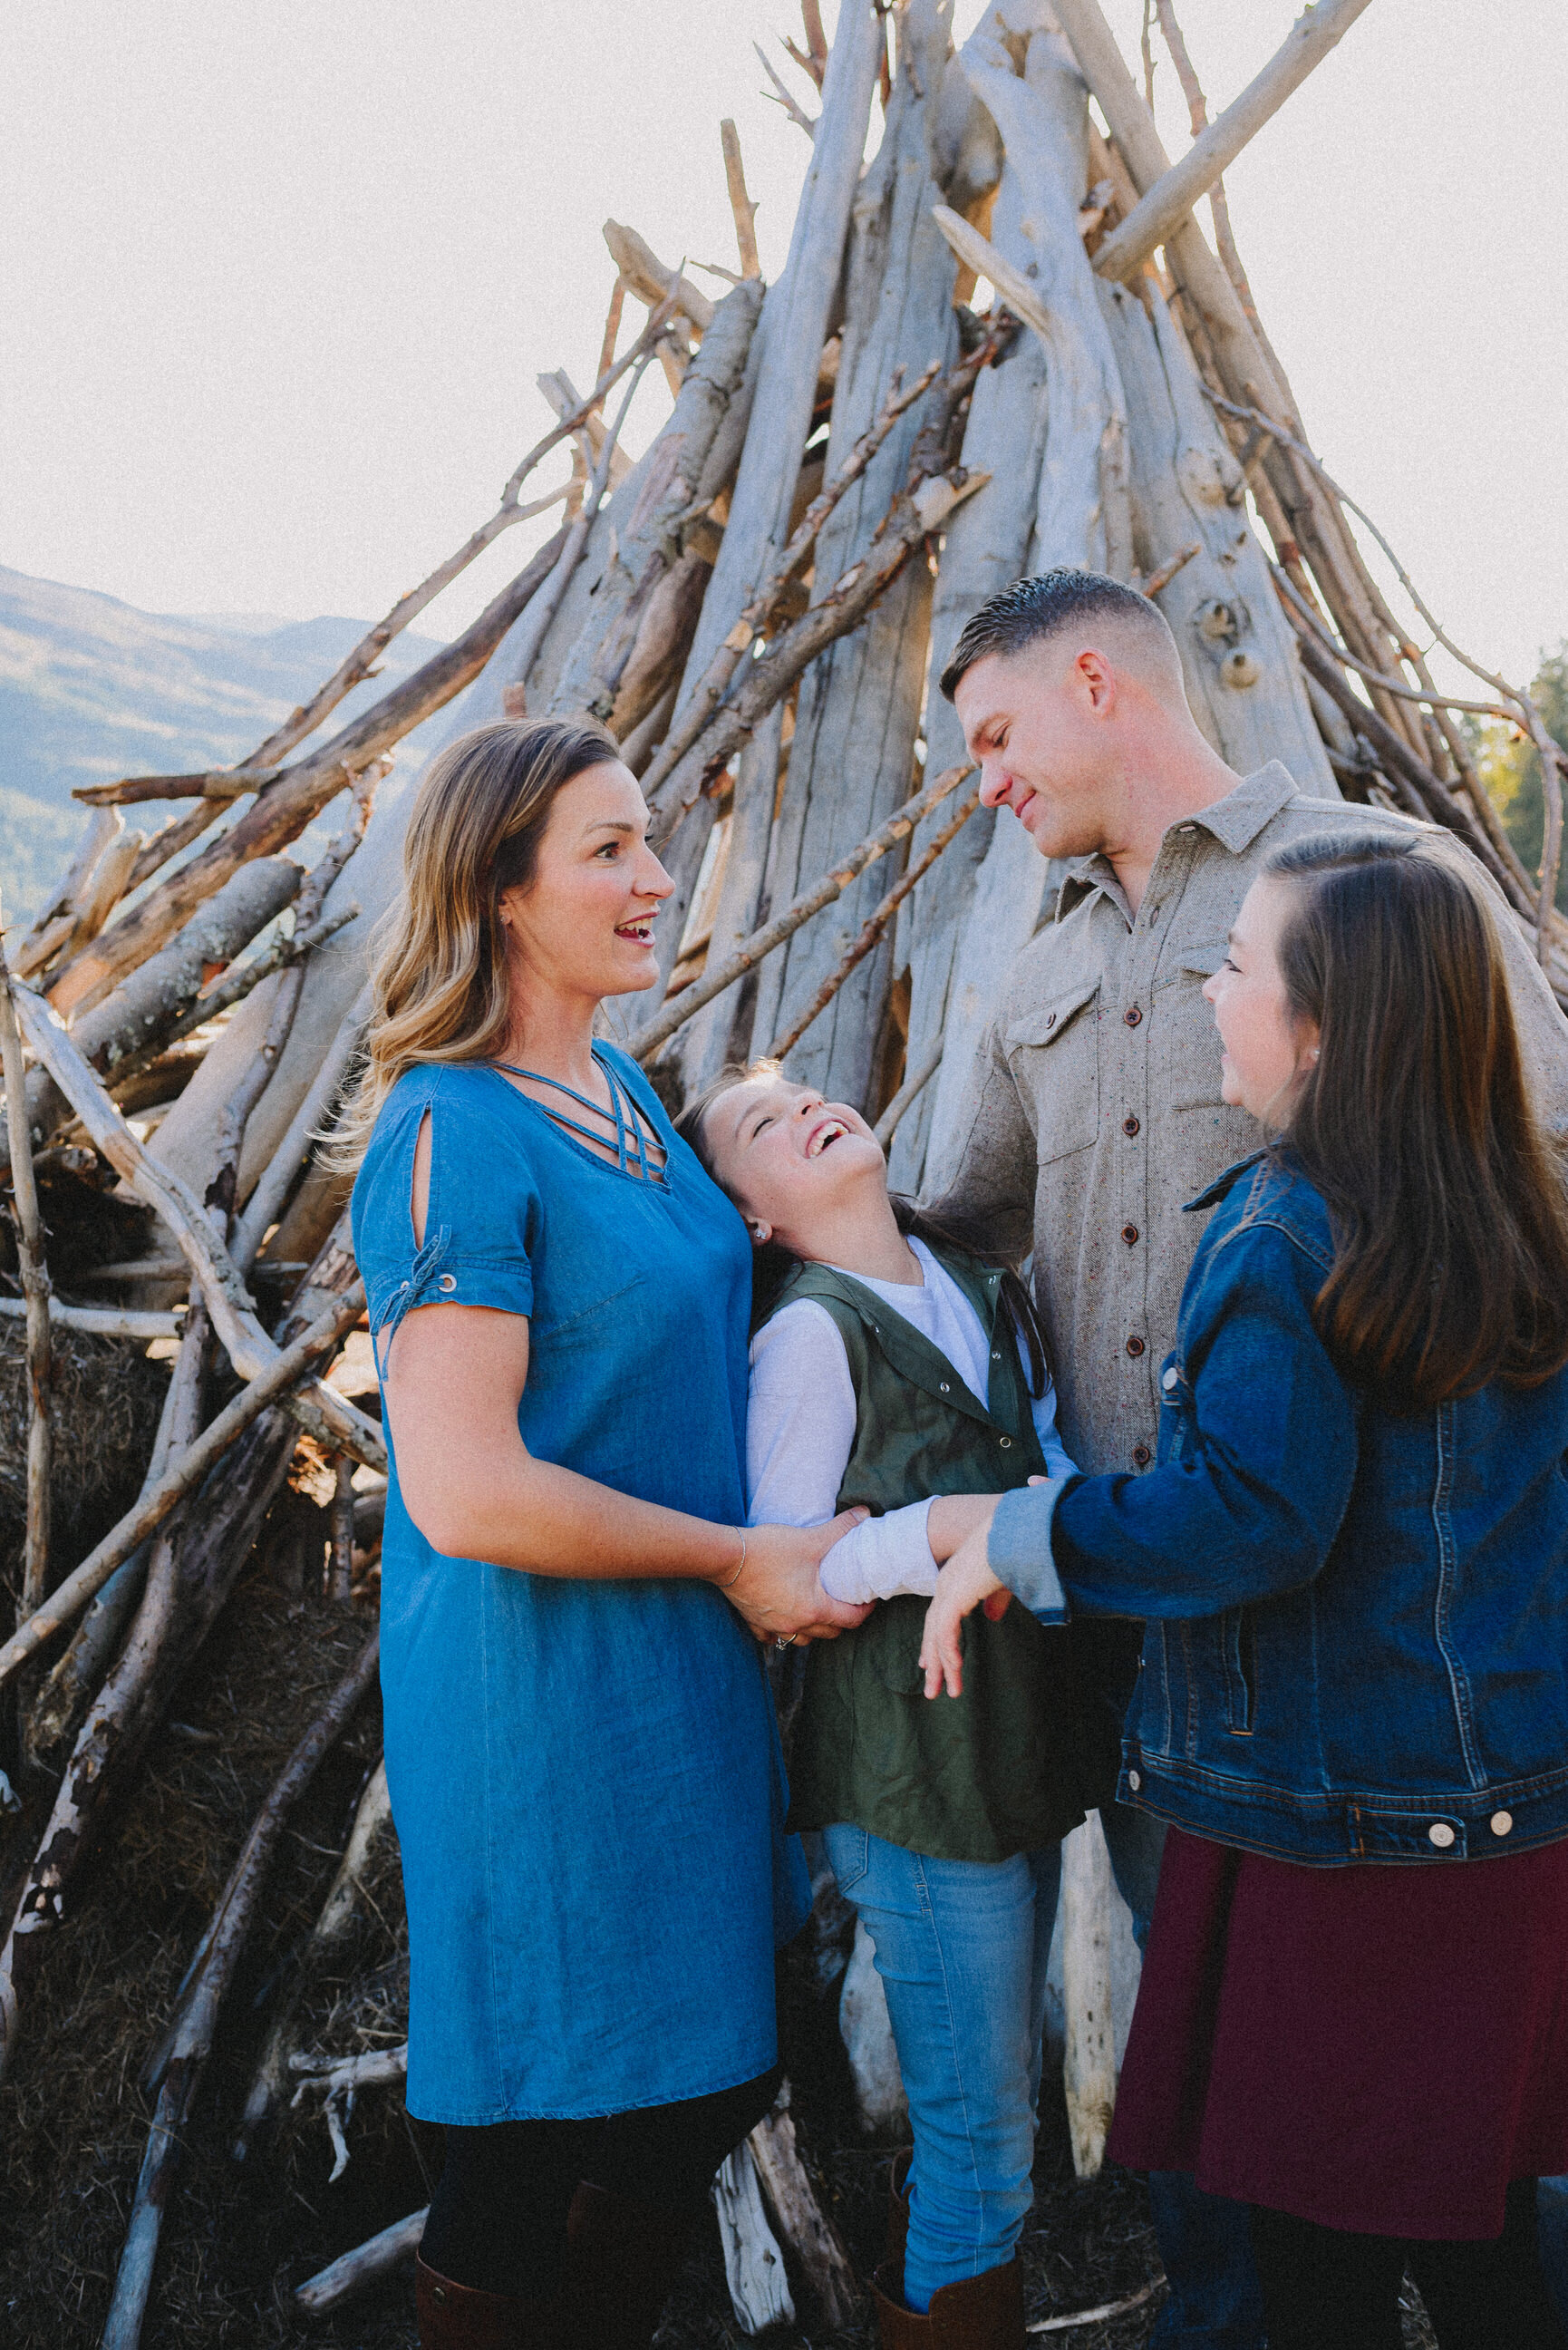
[{"x": 439, "y": 978}]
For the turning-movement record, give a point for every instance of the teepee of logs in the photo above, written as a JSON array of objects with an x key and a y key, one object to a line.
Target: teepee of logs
[{"x": 759, "y": 607}]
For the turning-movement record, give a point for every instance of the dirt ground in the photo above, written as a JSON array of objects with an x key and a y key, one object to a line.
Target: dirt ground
[{"x": 238, "y": 2237}]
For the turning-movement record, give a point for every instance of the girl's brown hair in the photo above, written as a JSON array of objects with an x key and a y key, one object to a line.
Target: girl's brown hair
[
  {"x": 440, "y": 973},
  {"x": 772, "y": 1263},
  {"x": 1447, "y": 1200}
]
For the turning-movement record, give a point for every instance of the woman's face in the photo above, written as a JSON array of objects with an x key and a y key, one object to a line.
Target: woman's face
[
  {"x": 584, "y": 925},
  {"x": 1268, "y": 1052},
  {"x": 789, "y": 1159}
]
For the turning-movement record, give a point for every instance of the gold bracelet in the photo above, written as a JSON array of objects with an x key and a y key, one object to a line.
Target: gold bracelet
[{"x": 741, "y": 1569}]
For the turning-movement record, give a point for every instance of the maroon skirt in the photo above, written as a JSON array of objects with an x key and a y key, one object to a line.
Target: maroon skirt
[{"x": 1378, "y": 2049}]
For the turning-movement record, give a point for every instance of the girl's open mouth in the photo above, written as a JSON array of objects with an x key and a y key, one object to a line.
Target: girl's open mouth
[{"x": 832, "y": 1129}]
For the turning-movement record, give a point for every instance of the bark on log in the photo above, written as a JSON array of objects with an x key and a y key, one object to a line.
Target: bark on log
[
  {"x": 1170, "y": 199},
  {"x": 140, "y": 1016},
  {"x": 1237, "y": 653},
  {"x": 33, "y": 1265},
  {"x": 787, "y": 347},
  {"x": 1091, "y": 2063},
  {"x": 364, "y": 2265},
  {"x": 802, "y": 2221},
  {"x": 281, "y": 813},
  {"x": 1081, "y": 514},
  {"x": 853, "y": 752}
]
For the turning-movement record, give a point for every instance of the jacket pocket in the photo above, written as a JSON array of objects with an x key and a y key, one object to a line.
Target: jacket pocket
[
  {"x": 1239, "y": 1658},
  {"x": 1053, "y": 1050}
]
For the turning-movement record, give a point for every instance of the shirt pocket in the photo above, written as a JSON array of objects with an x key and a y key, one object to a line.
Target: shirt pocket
[
  {"x": 1186, "y": 1041},
  {"x": 1054, "y": 1052}
]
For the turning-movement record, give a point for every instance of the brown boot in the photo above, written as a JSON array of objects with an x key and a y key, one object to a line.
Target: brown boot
[
  {"x": 983, "y": 2313},
  {"x": 458, "y": 2318},
  {"x": 622, "y": 2261}
]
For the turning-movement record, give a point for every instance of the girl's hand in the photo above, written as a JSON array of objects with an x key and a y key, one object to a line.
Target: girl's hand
[
  {"x": 961, "y": 1585},
  {"x": 779, "y": 1592}
]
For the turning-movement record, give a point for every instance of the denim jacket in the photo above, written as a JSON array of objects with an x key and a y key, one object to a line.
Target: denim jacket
[{"x": 1357, "y": 1620}]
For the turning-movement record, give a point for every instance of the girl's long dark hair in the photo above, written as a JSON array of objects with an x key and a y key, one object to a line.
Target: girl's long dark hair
[
  {"x": 1450, "y": 1211},
  {"x": 772, "y": 1264}
]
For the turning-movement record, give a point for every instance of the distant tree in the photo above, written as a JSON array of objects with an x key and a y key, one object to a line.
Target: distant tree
[{"x": 1511, "y": 769}]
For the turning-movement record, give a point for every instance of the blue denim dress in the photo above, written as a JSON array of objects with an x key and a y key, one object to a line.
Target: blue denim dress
[{"x": 584, "y": 1776}]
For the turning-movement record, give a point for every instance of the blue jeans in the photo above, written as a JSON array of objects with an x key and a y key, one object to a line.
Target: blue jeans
[
  {"x": 1205, "y": 2241},
  {"x": 961, "y": 1947}
]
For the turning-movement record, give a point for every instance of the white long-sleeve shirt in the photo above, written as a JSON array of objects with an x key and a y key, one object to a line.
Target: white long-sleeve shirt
[{"x": 801, "y": 1421}]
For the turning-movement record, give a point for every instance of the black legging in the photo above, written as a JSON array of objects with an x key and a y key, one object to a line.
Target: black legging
[
  {"x": 1327, "y": 2291},
  {"x": 498, "y": 2217}
]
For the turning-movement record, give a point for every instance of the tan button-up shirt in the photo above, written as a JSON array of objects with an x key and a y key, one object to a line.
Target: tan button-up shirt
[{"x": 1094, "y": 1111}]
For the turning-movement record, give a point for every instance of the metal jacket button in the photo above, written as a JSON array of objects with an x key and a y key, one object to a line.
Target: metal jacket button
[
  {"x": 1135, "y": 1345},
  {"x": 1132, "y": 1015},
  {"x": 1135, "y": 1779},
  {"x": 943, "y": 1385},
  {"x": 1440, "y": 1834},
  {"x": 1501, "y": 1822},
  {"x": 1129, "y": 1126},
  {"x": 1170, "y": 1378},
  {"x": 1005, "y": 1443}
]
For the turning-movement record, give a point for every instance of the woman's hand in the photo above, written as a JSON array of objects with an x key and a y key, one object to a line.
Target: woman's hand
[
  {"x": 779, "y": 1593},
  {"x": 962, "y": 1585}
]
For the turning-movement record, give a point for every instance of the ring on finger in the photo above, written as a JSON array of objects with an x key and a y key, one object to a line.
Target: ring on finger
[{"x": 786, "y": 1641}]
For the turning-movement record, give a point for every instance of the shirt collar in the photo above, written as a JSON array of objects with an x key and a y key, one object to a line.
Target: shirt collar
[{"x": 1234, "y": 822}]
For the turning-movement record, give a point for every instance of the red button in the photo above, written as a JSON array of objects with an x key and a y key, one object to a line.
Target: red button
[
  {"x": 1129, "y": 1126},
  {"x": 1132, "y": 1015},
  {"x": 1141, "y": 1456},
  {"x": 1129, "y": 1234},
  {"x": 1135, "y": 1345}
]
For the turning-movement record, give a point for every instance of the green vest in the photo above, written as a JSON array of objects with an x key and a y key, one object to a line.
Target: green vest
[{"x": 1004, "y": 1767}]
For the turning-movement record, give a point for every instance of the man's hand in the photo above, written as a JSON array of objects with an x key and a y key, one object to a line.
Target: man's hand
[
  {"x": 779, "y": 1592},
  {"x": 961, "y": 1585}
]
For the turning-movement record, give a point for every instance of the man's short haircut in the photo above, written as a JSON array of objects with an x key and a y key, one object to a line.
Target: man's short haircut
[{"x": 1031, "y": 611}]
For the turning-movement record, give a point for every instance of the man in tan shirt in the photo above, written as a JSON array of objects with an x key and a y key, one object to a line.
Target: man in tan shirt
[{"x": 1094, "y": 1110}]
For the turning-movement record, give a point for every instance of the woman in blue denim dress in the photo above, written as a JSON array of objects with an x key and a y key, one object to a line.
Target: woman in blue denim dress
[
  {"x": 580, "y": 1745},
  {"x": 1351, "y": 1560}
]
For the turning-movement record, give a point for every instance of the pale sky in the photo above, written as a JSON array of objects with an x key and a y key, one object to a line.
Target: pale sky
[{"x": 279, "y": 278}]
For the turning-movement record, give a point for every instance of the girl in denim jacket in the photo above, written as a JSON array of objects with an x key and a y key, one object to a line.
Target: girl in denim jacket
[{"x": 1351, "y": 1558}]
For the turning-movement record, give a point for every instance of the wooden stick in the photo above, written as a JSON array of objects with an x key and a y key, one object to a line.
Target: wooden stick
[
  {"x": 873, "y": 927},
  {"x": 651, "y": 281},
  {"x": 1090, "y": 2070},
  {"x": 753, "y": 2264},
  {"x": 328, "y": 1417},
  {"x": 35, "y": 1270},
  {"x": 740, "y": 205},
  {"x": 186, "y": 1469},
  {"x": 232, "y": 988},
  {"x": 899, "y": 825},
  {"x": 343, "y": 1530},
  {"x": 265, "y": 1202},
  {"x": 198, "y": 2019},
  {"x": 801, "y": 2217},
  {"x": 353, "y": 2270},
  {"x": 1219, "y": 203},
  {"x": 60, "y": 905},
  {"x": 887, "y": 1125},
  {"x": 1170, "y": 199},
  {"x": 781, "y": 94},
  {"x": 1098, "y": 2315},
  {"x": 101, "y": 1321}
]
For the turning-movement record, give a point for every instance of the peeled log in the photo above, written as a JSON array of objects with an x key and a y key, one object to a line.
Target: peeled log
[
  {"x": 154, "y": 996},
  {"x": 853, "y": 754}
]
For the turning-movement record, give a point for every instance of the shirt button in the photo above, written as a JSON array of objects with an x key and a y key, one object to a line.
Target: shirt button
[
  {"x": 449, "y": 1280},
  {"x": 1440, "y": 1834},
  {"x": 1135, "y": 1779},
  {"x": 1132, "y": 1015},
  {"x": 1501, "y": 1822},
  {"x": 1050, "y": 1020},
  {"x": 1141, "y": 1456},
  {"x": 1135, "y": 1345},
  {"x": 1129, "y": 1126},
  {"x": 1129, "y": 1234}
]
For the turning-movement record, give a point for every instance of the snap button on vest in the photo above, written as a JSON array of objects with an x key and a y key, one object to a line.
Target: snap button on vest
[
  {"x": 1129, "y": 1126},
  {"x": 1005, "y": 1443},
  {"x": 1501, "y": 1822},
  {"x": 1132, "y": 1015},
  {"x": 1440, "y": 1834},
  {"x": 1135, "y": 1345},
  {"x": 1050, "y": 1020},
  {"x": 945, "y": 1386}
]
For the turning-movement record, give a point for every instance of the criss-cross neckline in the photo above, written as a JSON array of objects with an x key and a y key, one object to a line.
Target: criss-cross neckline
[{"x": 623, "y": 1115}]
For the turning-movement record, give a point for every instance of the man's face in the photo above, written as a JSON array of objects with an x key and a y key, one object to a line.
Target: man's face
[{"x": 1038, "y": 723}]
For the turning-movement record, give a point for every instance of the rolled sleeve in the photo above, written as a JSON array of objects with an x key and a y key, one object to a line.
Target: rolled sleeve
[{"x": 1018, "y": 1548}]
